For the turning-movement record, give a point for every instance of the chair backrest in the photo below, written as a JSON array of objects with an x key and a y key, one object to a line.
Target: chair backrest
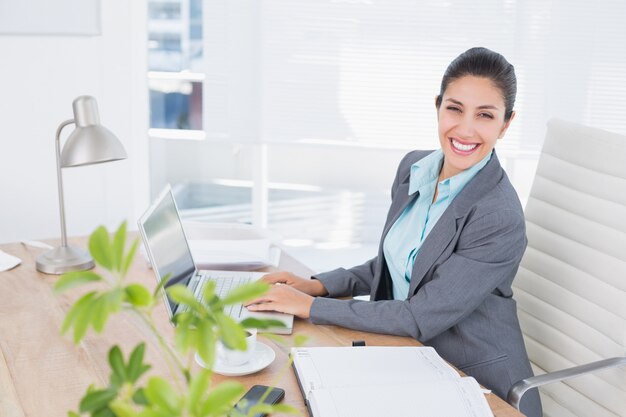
[{"x": 571, "y": 286}]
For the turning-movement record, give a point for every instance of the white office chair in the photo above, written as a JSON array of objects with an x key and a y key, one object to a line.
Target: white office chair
[{"x": 571, "y": 286}]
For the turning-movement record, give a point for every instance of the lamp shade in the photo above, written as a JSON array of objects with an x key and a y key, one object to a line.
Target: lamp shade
[{"x": 90, "y": 142}]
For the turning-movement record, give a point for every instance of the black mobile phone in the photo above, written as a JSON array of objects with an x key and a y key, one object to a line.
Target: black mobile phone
[{"x": 253, "y": 396}]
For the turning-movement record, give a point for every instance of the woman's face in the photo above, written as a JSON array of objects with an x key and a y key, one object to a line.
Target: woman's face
[{"x": 471, "y": 120}]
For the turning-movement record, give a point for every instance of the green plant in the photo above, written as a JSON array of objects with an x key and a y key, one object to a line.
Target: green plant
[{"x": 133, "y": 393}]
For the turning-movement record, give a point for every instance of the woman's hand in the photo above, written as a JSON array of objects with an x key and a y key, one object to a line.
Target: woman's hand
[
  {"x": 289, "y": 293},
  {"x": 308, "y": 286},
  {"x": 284, "y": 299}
]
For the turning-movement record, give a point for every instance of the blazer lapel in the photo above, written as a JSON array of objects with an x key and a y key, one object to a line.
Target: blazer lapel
[
  {"x": 381, "y": 289},
  {"x": 446, "y": 228},
  {"x": 401, "y": 199},
  {"x": 398, "y": 206},
  {"x": 434, "y": 245}
]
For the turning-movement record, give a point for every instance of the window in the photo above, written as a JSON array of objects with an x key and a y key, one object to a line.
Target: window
[
  {"x": 306, "y": 107},
  {"x": 175, "y": 55}
]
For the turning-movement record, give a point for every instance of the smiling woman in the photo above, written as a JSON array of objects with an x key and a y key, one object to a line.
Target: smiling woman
[
  {"x": 469, "y": 127},
  {"x": 474, "y": 108},
  {"x": 451, "y": 246}
]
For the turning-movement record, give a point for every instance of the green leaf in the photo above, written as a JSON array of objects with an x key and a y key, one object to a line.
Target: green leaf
[
  {"x": 160, "y": 393},
  {"x": 222, "y": 398},
  {"x": 100, "y": 248},
  {"x": 116, "y": 360},
  {"x": 73, "y": 279},
  {"x": 150, "y": 412},
  {"x": 197, "y": 387},
  {"x": 129, "y": 257},
  {"x": 100, "y": 313},
  {"x": 160, "y": 285},
  {"x": 300, "y": 339},
  {"x": 237, "y": 410},
  {"x": 72, "y": 414},
  {"x": 83, "y": 319},
  {"x": 186, "y": 337},
  {"x": 122, "y": 409},
  {"x": 101, "y": 308},
  {"x": 76, "y": 310},
  {"x": 232, "y": 334},
  {"x": 139, "y": 397},
  {"x": 96, "y": 400},
  {"x": 285, "y": 409},
  {"x": 183, "y": 295},
  {"x": 184, "y": 330},
  {"x": 208, "y": 292},
  {"x": 117, "y": 248},
  {"x": 255, "y": 323},
  {"x": 138, "y": 295},
  {"x": 183, "y": 318},
  {"x": 260, "y": 409},
  {"x": 114, "y": 299},
  {"x": 136, "y": 367},
  {"x": 246, "y": 292},
  {"x": 103, "y": 412},
  {"x": 275, "y": 338},
  {"x": 206, "y": 343}
]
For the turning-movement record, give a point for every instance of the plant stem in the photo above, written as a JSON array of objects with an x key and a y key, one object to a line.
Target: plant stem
[
  {"x": 173, "y": 361},
  {"x": 278, "y": 377}
]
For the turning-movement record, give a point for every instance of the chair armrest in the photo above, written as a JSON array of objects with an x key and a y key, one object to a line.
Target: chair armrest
[{"x": 519, "y": 388}]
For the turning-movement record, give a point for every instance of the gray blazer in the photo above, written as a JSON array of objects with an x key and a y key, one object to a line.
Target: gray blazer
[{"x": 460, "y": 297}]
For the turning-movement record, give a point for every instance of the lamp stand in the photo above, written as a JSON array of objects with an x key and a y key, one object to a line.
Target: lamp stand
[{"x": 64, "y": 258}]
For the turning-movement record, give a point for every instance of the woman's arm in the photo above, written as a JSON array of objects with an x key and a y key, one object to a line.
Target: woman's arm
[
  {"x": 337, "y": 283},
  {"x": 358, "y": 280},
  {"x": 487, "y": 255},
  {"x": 308, "y": 286},
  {"x": 347, "y": 282},
  {"x": 294, "y": 295}
]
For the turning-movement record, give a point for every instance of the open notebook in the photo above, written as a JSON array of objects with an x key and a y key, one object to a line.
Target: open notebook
[{"x": 384, "y": 381}]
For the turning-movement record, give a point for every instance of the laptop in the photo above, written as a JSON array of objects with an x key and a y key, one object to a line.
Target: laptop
[{"x": 167, "y": 248}]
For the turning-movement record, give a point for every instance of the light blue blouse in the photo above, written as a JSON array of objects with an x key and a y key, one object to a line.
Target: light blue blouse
[{"x": 405, "y": 238}]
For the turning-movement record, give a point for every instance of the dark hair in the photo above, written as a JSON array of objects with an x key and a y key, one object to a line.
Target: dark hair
[{"x": 482, "y": 62}]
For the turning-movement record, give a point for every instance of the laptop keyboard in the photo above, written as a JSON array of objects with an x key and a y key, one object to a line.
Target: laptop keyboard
[{"x": 223, "y": 285}]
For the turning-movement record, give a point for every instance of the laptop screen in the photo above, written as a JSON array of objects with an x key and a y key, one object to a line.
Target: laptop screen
[{"x": 166, "y": 243}]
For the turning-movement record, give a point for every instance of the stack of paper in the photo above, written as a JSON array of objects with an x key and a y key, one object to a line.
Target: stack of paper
[
  {"x": 231, "y": 246},
  {"x": 241, "y": 254}
]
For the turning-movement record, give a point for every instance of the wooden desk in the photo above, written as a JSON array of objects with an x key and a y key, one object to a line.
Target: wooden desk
[{"x": 45, "y": 374}]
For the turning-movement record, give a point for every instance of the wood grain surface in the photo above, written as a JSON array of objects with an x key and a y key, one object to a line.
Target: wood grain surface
[{"x": 44, "y": 374}]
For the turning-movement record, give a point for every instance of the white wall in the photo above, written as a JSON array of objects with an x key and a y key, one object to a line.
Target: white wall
[{"x": 39, "y": 78}]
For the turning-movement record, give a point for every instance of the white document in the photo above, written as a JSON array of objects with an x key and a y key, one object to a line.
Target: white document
[
  {"x": 249, "y": 253},
  {"x": 230, "y": 246},
  {"x": 8, "y": 261},
  {"x": 232, "y": 255},
  {"x": 328, "y": 367},
  {"x": 385, "y": 381},
  {"x": 459, "y": 397}
]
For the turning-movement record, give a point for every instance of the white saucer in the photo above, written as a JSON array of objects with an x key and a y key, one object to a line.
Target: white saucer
[{"x": 263, "y": 356}]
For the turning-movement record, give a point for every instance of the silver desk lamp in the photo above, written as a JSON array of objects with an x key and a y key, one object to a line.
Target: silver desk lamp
[{"x": 89, "y": 143}]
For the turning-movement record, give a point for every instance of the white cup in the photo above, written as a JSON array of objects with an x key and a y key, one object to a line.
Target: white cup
[{"x": 233, "y": 357}]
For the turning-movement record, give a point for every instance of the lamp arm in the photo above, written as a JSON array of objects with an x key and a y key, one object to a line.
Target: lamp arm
[{"x": 60, "y": 180}]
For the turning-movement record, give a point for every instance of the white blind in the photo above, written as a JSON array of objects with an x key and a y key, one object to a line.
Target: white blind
[{"x": 367, "y": 71}]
